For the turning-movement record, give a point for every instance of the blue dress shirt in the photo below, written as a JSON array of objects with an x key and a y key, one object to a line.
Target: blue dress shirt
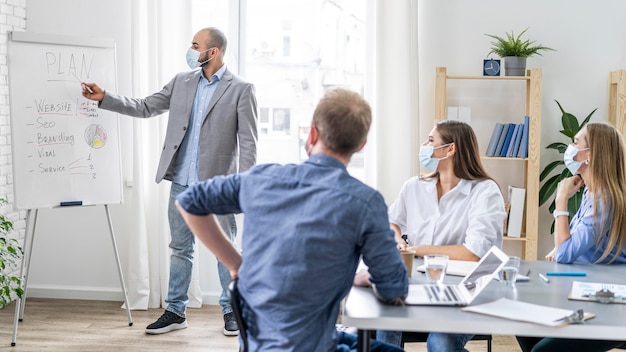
[
  {"x": 585, "y": 244},
  {"x": 305, "y": 228},
  {"x": 186, "y": 164}
]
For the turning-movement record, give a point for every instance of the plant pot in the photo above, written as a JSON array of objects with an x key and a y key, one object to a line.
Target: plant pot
[{"x": 514, "y": 66}]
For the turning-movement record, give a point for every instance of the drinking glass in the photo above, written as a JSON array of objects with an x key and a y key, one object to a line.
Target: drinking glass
[
  {"x": 436, "y": 265},
  {"x": 508, "y": 273}
]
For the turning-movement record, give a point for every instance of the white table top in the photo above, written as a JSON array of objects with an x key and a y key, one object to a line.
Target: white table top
[{"x": 364, "y": 311}]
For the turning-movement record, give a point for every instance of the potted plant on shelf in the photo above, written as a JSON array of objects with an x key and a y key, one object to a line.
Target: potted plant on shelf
[
  {"x": 515, "y": 51},
  {"x": 10, "y": 253},
  {"x": 571, "y": 126}
]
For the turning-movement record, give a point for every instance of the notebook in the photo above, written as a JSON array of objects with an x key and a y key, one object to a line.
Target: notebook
[{"x": 467, "y": 290}]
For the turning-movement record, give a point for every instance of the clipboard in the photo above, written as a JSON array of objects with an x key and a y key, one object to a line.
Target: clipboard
[{"x": 530, "y": 313}]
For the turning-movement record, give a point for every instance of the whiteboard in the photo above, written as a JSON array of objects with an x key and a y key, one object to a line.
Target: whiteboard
[{"x": 64, "y": 148}]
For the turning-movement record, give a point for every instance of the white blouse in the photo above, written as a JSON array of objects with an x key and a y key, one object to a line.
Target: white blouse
[{"x": 472, "y": 214}]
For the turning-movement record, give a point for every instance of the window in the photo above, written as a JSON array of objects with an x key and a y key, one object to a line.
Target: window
[{"x": 294, "y": 51}]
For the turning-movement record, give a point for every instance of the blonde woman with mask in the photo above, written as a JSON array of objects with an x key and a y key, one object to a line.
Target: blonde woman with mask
[{"x": 597, "y": 232}]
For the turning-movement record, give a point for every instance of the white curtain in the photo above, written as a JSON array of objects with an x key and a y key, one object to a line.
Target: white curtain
[{"x": 159, "y": 28}]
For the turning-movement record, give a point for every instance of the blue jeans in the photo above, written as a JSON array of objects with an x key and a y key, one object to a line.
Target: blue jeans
[
  {"x": 181, "y": 259},
  {"x": 435, "y": 342},
  {"x": 348, "y": 343}
]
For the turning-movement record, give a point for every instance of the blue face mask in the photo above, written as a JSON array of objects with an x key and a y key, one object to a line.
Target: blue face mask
[
  {"x": 568, "y": 158},
  {"x": 426, "y": 157},
  {"x": 193, "y": 56}
]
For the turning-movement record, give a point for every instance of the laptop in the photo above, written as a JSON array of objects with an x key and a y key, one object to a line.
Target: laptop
[{"x": 467, "y": 290}]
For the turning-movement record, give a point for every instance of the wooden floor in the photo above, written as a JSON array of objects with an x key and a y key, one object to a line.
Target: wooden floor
[{"x": 78, "y": 325}]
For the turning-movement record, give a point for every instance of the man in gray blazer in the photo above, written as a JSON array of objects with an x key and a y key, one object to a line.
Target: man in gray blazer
[{"x": 212, "y": 130}]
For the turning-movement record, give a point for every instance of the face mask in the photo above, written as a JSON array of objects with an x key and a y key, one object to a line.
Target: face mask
[
  {"x": 426, "y": 157},
  {"x": 568, "y": 157},
  {"x": 193, "y": 56}
]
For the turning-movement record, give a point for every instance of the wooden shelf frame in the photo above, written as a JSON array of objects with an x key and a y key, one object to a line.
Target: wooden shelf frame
[
  {"x": 533, "y": 81},
  {"x": 617, "y": 99}
]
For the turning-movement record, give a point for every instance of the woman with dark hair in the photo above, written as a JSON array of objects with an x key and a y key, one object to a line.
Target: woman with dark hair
[{"x": 456, "y": 209}]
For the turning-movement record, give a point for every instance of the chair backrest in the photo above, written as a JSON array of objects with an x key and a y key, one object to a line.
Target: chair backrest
[{"x": 236, "y": 304}]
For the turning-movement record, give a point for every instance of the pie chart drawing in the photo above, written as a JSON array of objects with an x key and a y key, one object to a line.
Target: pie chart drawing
[{"x": 95, "y": 136}]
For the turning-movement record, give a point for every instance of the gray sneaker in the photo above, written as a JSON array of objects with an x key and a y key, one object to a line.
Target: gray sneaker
[
  {"x": 167, "y": 322},
  {"x": 230, "y": 325}
]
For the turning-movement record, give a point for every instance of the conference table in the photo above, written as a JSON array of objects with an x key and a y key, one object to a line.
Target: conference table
[{"x": 363, "y": 311}]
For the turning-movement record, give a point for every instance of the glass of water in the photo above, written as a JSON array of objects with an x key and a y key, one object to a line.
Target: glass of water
[
  {"x": 435, "y": 265},
  {"x": 508, "y": 273}
]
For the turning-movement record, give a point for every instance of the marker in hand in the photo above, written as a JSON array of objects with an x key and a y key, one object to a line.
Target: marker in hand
[
  {"x": 86, "y": 87},
  {"x": 83, "y": 85}
]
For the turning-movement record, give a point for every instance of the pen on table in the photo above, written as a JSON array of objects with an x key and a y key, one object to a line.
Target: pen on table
[
  {"x": 544, "y": 278},
  {"x": 566, "y": 273}
]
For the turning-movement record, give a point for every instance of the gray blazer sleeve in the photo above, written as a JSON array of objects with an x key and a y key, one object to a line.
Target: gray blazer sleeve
[
  {"x": 152, "y": 105},
  {"x": 247, "y": 131}
]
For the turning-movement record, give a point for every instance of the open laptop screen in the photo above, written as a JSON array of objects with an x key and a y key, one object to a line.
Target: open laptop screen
[{"x": 483, "y": 272}]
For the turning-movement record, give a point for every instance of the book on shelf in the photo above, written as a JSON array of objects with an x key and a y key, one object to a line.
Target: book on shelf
[
  {"x": 524, "y": 148},
  {"x": 518, "y": 140},
  {"x": 501, "y": 139},
  {"x": 495, "y": 136},
  {"x": 516, "y": 213},
  {"x": 464, "y": 114},
  {"x": 452, "y": 113},
  {"x": 509, "y": 152},
  {"x": 507, "y": 140},
  {"x": 598, "y": 292}
]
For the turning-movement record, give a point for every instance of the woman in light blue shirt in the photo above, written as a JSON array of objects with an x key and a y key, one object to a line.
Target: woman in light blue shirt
[{"x": 597, "y": 232}]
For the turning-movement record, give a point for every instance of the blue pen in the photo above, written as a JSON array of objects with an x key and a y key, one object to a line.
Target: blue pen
[{"x": 566, "y": 273}]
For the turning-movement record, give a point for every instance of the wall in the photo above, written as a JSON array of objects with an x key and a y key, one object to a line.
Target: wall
[
  {"x": 590, "y": 37},
  {"x": 12, "y": 18},
  {"x": 72, "y": 253},
  {"x": 72, "y": 256}
]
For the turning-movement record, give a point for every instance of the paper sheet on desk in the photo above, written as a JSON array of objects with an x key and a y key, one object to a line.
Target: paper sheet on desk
[
  {"x": 463, "y": 267},
  {"x": 522, "y": 311}
]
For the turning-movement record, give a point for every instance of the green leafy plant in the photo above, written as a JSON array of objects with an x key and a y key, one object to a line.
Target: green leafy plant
[
  {"x": 514, "y": 46},
  {"x": 571, "y": 126},
  {"x": 10, "y": 253}
]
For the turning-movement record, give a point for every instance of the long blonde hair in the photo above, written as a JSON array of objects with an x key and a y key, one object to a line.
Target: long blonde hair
[{"x": 607, "y": 169}]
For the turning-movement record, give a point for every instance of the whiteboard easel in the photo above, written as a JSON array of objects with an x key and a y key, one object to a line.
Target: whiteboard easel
[
  {"x": 65, "y": 150},
  {"x": 31, "y": 224}
]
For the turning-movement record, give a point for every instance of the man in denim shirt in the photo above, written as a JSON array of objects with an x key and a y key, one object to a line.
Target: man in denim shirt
[{"x": 305, "y": 228}]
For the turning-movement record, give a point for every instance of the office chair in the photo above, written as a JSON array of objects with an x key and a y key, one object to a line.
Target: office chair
[
  {"x": 410, "y": 336},
  {"x": 235, "y": 301}
]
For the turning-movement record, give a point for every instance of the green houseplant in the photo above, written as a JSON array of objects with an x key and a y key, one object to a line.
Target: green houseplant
[
  {"x": 514, "y": 50},
  {"x": 10, "y": 253},
  {"x": 571, "y": 126}
]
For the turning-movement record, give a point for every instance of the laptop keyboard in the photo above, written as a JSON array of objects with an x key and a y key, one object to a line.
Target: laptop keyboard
[{"x": 437, "y": 293}]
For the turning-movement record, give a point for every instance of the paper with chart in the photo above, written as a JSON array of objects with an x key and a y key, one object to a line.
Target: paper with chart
[{"x": 595, "y": 291}]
